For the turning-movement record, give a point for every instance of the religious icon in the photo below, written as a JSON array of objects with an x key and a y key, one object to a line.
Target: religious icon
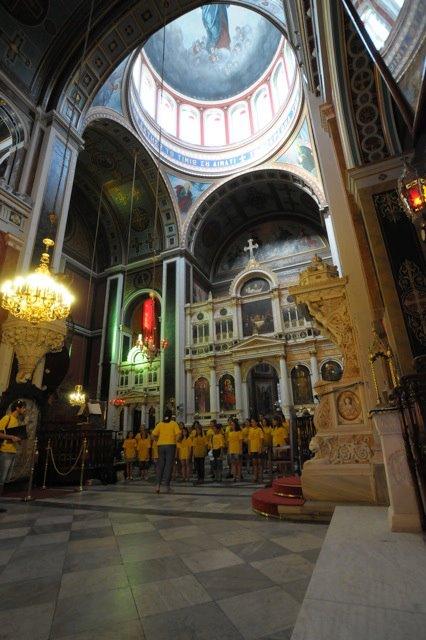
[
  {"x": 301, "y": 384},
  {"x": 331, "y": 371},
  {"x": 202, "y": 396},
  {"x": 255, "y": 285},
  {"x": 348, "y": 405},
  {"x": 227, "y": 393},
  {"x": 257, "y": 318}
]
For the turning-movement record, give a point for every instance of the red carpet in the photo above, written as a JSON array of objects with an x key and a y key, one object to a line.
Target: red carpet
[{"x": 284, "y": 492}]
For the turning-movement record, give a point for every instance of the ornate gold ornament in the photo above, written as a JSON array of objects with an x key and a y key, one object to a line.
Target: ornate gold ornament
[
  {"x": 38, "y": 296},
  {"x": 77, "y": 398}
]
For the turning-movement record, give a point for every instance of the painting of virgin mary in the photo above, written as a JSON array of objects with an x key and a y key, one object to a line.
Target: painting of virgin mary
[{"x": 215, "y": 21}]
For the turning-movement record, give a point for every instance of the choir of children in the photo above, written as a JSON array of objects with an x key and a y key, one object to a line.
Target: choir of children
[{"x": 249, "y": 445}]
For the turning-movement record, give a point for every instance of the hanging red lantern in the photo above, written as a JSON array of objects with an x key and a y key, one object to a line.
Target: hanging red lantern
[{"x": 149, "y": 320}]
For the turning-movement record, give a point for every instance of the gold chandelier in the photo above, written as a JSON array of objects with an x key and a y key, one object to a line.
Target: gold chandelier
[
  {"x": 77, "y": 398},
  {"x": 37, "y": 296}
]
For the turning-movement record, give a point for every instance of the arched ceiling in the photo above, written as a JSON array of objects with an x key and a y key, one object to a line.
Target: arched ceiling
[
  {"x": 241, "y": 206},
  {"x": 41, "y": 42},
  {"x": 106, "y": 164}
]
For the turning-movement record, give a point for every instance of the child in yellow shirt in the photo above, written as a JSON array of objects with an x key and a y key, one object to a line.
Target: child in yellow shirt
[
  {"x": 185, "y": 454},
  {"x": 129, "y": 448},
  {"x": 199, "y": 451},
  {"x": 143, "y": 446},
  {"x": 255, "y": 445},
  {"x": 235, "y": 448},
  {"x": 218, "y": 446}
]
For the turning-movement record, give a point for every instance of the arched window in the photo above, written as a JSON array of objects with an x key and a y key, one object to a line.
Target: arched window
[
  {"x": 301, "y": 385},
  {"x": 279, "y": 86},
  {"x": 189, "y": 124},
  {"x": 290, "y": 60},
  {"x": 331, "y": 371},
  {"x": 137, "y": 73},
  {"x": 262, "y": 112},
  {"x": 239, "y": 122},
  {"x": 214, "y": 128},
  {"x": 147, "y": 91},
  {"x": 202, "y": 396},
  {"x": 166, "y": 117}
]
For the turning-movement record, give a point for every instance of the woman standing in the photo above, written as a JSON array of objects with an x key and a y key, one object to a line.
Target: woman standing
[
  {"x": 185, "y": 454},
  {"x": 255, "y": 443},
  {"x": 199, "y": 450},
  {"x": 167, "y": 435},
  {"x": 235, "y": 443},
  {"x": 218, "y": 446}
]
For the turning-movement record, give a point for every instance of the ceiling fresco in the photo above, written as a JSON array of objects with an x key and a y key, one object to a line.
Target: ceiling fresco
[
  {"x": 187, "y": 192},
  {"x": 283, "y": 218},
  {"x": 214, "y": 52},
  {"x": 301, "y": 151}
]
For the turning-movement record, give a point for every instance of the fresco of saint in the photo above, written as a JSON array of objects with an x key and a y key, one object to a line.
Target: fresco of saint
[{"x": 215, "y": 21}]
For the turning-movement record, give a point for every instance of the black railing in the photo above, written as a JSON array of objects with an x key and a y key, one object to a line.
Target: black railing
[
  {"x": 304, "y": 431},
  {"x": 66, "y": 446},
  {"x": 410, "y": 398}
]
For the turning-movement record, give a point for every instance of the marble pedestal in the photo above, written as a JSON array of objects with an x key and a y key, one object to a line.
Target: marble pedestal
[
  {"x": 403, "y": 513},
  {"x": 339, "y": 482}
]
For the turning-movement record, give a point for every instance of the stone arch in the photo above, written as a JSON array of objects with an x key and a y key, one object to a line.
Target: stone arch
[
  {"x": 147, "y": 165},
  {"x": 196, "y": 217},
  {"x": 18, "y": 127}
]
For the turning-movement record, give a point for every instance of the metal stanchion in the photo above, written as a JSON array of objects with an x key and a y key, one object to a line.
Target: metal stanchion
[
  {"x": 83, "y": 460},
  {"x": 46, "y": 464},
  {"x": 34, "y": 457}
]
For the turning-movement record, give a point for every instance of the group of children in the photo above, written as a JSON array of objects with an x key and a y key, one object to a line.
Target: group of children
[{"x": 242, "y": 445}]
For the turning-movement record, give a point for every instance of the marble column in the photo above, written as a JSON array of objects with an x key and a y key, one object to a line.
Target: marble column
[
  {"x": 245, "y": 399},
  {"x": 238, "y": 390},
  {"x": 189, "y": 396},
  {"x": 315, "y": 376},
  {"x": 284, "y": 387},
  {"x": 403, "y": 512},
  {"x": 276, "y": 311},
  {"x": 332, "y": 240},
  {"x": 213, "y": 392}
]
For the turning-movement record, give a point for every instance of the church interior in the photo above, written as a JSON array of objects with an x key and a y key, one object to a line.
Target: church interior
[{"x": 212, "y": 216}]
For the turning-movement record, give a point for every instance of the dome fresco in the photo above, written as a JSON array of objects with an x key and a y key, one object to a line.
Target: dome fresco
[{"x": 214, "y": 52}]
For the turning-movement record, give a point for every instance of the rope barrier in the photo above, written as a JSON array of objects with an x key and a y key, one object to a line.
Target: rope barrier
[{"x": 71, "y": 469}]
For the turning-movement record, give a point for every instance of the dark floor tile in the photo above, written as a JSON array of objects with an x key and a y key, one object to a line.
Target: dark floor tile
[
  {"x": 261, "y": 550},
  {"x": 28, "y": 563},
  {"x": 29, "y": 592},
  {"x": 86, "y": 612},
  {"x": 284, "y": 634},
  {"x": 231, "y": 581},
  {"x": 131, "y": 539},
  {"x": 27, "y": 623},
  {"x": 201, "y": 622},
  {"x": 168, "y": 523},
  {"x": 92, "y": 560},
  {"x": 91, "y": 532},
  {"x": 153, "y": 570},
  {"x": 311, "y": 554},
  {"x": 89, "y": 515},
  {"x": 37, "y": 529},
  {"x": 297, "y": 588},
  {"x": 131, "y": 630}
]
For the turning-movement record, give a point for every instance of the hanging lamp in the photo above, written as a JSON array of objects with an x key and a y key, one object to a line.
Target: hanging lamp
[
  {"x": 38, "y": 296},
  {"x": 412, "y": 193}
]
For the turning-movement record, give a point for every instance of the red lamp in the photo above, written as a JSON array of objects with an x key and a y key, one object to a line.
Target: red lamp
[
  {"x": 147, "y": 340},
  {"x": 412, "y": 193},
  {"x": 117, "y": 402}
]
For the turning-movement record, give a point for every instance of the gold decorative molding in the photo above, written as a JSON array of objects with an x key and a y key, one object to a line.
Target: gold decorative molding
[
  {"x": 31, "y": 342},
  {"x": 324, "y": 293}
]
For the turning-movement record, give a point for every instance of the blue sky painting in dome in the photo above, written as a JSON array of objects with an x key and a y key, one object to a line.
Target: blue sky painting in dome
[
  {"x": 214, "y": 52},
  {"x": 109, "y": 95}
]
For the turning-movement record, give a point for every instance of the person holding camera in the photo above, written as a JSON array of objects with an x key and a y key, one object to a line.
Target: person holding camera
[{"x": 8, "y": 442}]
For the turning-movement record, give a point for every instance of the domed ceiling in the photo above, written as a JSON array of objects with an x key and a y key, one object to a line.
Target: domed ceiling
[{"x": 214, "y": 52}]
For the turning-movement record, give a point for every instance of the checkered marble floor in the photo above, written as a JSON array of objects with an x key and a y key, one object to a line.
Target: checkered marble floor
[{"x": 120, "y": 562}]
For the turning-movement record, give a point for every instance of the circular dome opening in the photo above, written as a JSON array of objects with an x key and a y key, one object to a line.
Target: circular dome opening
[{"x": 220, "y": 85}]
